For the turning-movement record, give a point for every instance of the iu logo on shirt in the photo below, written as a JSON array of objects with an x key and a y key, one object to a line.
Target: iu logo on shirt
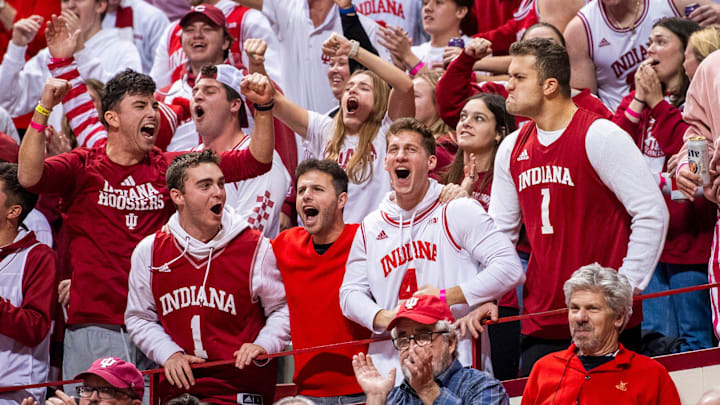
[{"x": 131, "y": 221}]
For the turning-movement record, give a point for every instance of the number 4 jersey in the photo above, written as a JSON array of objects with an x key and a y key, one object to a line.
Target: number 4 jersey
[{"x": 572, "y": 218}]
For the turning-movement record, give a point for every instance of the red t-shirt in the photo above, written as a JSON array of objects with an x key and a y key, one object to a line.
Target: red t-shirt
[
  {"x": 567, "y": 210},
  {"x": 312, "y": 284},
  {"x": 108, "y": 209}
]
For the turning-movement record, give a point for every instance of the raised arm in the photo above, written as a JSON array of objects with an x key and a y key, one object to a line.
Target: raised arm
[
  {"x": 582, "y": 73},
  {"x": 258, "y": 89},
  {"x": 32, "y": 150},
  {"x": 402, "y": 97}
]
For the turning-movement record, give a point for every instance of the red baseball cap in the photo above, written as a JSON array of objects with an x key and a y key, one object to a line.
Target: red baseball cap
[
  {"x": 118, "y": 373},
  {"x": 8, "y": 149},
  {"x": 424, "y": 309},
  {"x": 212, "y": 13}
]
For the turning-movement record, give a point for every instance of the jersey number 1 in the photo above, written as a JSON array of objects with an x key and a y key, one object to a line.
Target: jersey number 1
[
  {"x": 547, "y": 228},
  {"x": 197, "y": 337}
]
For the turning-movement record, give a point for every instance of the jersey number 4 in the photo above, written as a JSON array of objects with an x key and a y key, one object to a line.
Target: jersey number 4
[
  {"x": 547, "y": 228},
  {"x": 409, "y": 285}
]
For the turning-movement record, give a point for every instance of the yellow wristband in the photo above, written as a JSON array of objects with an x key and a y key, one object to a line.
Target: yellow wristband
[{"x": 42, "y": 110}]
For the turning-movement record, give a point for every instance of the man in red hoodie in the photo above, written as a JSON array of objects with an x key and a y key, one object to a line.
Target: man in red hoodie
[{"x": 27, "y": 292}]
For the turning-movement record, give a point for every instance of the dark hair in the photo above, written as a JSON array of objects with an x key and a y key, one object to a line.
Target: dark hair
[
  {"x": 127, "y": 82},
  {"x": 413, "y": 125},
  {"x": 177, "y": 171},
  {"x": 551, "y": 60},
  {"x": 504, "y": 125},
  {"x": 184, "y": 399},
  {"x": 339, "y": 177},
  {"x": 546, "y": 25},
  {"x": 682, "y": 28},
  {"x": 230, "y": 94},
  {"x": 16, "y": 194}
]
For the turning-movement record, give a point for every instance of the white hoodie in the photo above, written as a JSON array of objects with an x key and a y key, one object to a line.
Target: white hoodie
[
  {"x": 141, "y": 316},
  {"x": 448, "y": 245}
]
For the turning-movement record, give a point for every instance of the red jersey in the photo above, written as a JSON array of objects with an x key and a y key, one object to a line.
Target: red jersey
[
  {"x": 108, "y": 209},
  {"x": 178, "y": 59},
  {"x": 312, "y": 284},
  {"x": 490, "y": 14},
  {"x": 567, "y": 210},
  {"x": 206, "y": 307},
  {"x": 513, "y": 29}
]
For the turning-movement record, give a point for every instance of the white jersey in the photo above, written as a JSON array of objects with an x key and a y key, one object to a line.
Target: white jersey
[
  {"x": 617, "y": 53},
  {"x": 396, "y": 252},
  {"x": 303, "y": 60},
  {"x": 141, "y": 23},
  {"x": 260, "y": 198},
  {"x": 430, "y": 55},
  {"x": 22, "y": 83},
  {"x": 38, "y": 223},
  {"x": 406, "y": 14},
  {"x": 366, "y": 196}
]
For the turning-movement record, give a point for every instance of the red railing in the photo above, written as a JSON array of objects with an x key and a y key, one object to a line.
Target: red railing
[{"x": 514, "y": 387}]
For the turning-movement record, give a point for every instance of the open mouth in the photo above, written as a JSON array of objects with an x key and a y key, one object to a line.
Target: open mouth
[
  {"x": 310, "y": 212},
  {"x": 216, "y": 209},
  {"x": 352, "y": 105},
  {"x": 199, "y": 112},
  {"x": 148, "y": 130},
  {"x": 654, "y": 62},
  {"x": 199, "y": 46},
  {"x": 402, "y": 173}
]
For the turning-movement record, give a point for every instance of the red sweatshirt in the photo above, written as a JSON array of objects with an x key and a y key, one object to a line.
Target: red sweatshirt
[
  {"x": 312, "y": 284},
  {"x": 456, "y": 85},
  {"x": 659, "y": 135}
]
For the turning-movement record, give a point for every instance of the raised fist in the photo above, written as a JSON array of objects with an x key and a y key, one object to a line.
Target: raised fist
[
  {"x": 25, "y": 30},
  {"x": 336, "y": 45},
  {"x": 255, "y": 49},
  {"x": 257, "y": 88},
  {"x": 53, "y": 92},
  {"x": 478, "y": 48}
]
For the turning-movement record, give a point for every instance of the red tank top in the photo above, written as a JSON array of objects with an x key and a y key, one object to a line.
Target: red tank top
[
  {"x": 572, "y": 218},
  {"x": 213, "y": 322}
]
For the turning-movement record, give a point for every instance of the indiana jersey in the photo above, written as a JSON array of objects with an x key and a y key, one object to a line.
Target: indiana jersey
[
  {"x": 572, "y": 218},
  {"x": 616, "y": 52},
  {"x": 206, "y": 308}
]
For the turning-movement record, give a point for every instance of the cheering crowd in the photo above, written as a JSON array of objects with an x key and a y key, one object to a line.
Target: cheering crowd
[{"x": 227, "y": 179}]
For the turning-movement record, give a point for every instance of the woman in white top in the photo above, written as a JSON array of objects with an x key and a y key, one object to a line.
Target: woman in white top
[
  {"x": 441, "y": 20},
  {"x": 355, "y": 138}
]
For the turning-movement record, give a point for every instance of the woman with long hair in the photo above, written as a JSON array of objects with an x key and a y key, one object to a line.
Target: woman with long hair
[
  {"x": 427, "y": 113},
  {"x": 355, "y": 137},
  {"x": 652, "y": 115}
]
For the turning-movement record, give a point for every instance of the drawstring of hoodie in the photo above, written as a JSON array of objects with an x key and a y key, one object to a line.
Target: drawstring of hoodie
[
  {"x": 165, "y": 268},
  {"x": 207, "y": 270}
]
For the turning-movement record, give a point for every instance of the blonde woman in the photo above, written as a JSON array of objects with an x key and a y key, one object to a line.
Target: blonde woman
[
  {"x": 701, "y": 44},
  {"x": 427, "y": 113},
  {"x": 355, "y": 138}
]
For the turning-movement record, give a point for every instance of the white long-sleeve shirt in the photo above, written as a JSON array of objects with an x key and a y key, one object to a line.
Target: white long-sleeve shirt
[
  {"x": 622, "y": 168},
  {"x": 145, "y": 29},
  {"x": 22, "y": 83}
]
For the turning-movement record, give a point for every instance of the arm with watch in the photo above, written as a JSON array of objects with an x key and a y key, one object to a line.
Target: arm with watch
[{"x": 353, "y": 29}]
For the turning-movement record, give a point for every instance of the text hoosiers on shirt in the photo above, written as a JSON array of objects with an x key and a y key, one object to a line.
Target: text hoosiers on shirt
[{"x": 144, "y": 197}]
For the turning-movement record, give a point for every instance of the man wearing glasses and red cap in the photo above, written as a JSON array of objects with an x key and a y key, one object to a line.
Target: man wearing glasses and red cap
[
  {"x": 426, "y": 340},
  {"x": 109, "y": 379}
]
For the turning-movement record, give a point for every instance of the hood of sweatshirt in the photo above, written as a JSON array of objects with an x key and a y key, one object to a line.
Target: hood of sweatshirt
[
  {"x": 23, "y": 240},
  {"x": 233, "y": 223},
  {"x": 390, "y": 209}
]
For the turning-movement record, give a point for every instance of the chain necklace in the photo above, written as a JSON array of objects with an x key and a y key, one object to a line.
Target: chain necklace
[{"x": 631, "y": 27}]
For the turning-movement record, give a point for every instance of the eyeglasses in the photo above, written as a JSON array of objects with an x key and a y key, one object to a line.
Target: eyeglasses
[
  {"x": 85, "y": 391},
  {"x": 420, "y": 338}
]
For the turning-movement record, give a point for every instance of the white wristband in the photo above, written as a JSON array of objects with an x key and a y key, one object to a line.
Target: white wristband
[{"x": 355, "y": 48}]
